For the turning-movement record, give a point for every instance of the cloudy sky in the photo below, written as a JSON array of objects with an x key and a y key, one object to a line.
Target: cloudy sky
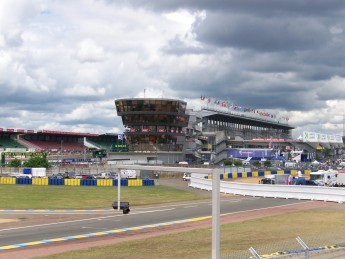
[{"x": 64, "y": 62}]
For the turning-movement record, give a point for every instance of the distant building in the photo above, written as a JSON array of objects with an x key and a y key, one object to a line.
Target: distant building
[
  {"x": 162, "y": 130},
  {"x": 154, "y": 129}
]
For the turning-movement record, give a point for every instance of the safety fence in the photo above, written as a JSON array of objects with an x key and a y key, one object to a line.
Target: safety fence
[
  {"x": 234, "y": 175},
  {"x": 76, "y": 182},
  {"x": 301, "y": 192},
  {"x": 323, "y": 245}
]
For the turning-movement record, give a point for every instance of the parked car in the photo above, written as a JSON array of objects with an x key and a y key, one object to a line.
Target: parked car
[
  {"x": 311, "y": 182},
  {"x": 85, "y": 176},
  {"x": 65, "y": 175},
  {"x": 267, "y": 181}
]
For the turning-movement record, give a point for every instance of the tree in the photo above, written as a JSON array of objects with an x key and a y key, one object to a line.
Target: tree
[
  {"x": 267, "y": 163},
  {"x": 238, "y": 163},
  {"x": 256, "y": 163},
  {"x": 227, "y": 162},
  {"x": 15, "y": 163},
  {"x": 37, "y": 162}
]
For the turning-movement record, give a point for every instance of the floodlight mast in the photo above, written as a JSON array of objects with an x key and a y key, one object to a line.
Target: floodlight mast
[
  {"x": 118, "y": 190},
  {"x": 215, "y": 195}
]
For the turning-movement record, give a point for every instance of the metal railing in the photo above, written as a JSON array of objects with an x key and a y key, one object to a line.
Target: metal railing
[
  {"x": 325, "y": 245},
  {"x": 321, "y": 193}
]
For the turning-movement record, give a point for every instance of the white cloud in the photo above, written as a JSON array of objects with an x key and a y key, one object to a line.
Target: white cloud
[
  {"x": 62, "y": 63},
  {"x": 89, "y": 51},
  {"x": 80, "y": 90}
]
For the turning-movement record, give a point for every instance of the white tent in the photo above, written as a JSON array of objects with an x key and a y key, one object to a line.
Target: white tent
[{"x": 315, "y": 162}]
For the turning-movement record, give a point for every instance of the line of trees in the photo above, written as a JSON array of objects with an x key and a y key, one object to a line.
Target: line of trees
[
  {"x": 230, "y": 162},
  {"x": 38, "y": 162}
]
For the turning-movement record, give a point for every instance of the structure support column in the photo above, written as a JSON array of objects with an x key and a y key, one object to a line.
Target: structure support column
[{"x": 215, "y": 214}]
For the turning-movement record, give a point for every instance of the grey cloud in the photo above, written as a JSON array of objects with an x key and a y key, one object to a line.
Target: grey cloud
[
  {"x": 262, "y": 7},
  {"x": 177, "y": 47},
  {"x": 261, "y": 34}
]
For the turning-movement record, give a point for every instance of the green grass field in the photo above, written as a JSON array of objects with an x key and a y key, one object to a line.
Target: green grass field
[{"x": 86, "y": 197}]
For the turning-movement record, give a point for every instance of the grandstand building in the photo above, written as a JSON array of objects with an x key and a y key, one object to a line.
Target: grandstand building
[
  {"x": 59, "y": 146},
  {"x": 164, "y": 131},
  {"x": 215, "y": 131},
  {"x": 156, "y": 129}
]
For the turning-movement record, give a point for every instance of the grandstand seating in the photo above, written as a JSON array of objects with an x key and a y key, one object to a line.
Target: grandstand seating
[
  {"x": 53, "y": 145},
  {"x": 6, "y": 142},
  {"x": 28, "y": 144}
]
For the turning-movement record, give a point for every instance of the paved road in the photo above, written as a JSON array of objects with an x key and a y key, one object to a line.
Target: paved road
[{"x": 137, "y": 217}]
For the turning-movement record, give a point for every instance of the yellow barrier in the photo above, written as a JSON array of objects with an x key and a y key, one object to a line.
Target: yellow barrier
[
  {"x": 244, "y": 175},
  {"x": 225, "y": 176},
  {"x": 39, "y": 181},
  {"x": 293, "y": 172},
  {"x": 280, "y": 172},
  {"x": 72, "y": 182},
  {"x": 104, "y": 182},
  {"x": 267, "y": 172},
  {"x": 136, "y": 182},
  {"x": 234, "y": 175},
  {"x": 7, "y": 180},
  {"x": 255, "y": 174},
  {"x": 307, "y": 172}
]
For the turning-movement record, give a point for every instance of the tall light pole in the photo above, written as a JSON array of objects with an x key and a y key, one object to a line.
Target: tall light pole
[
  {"x": 215, "y": 195},
  {"x": 61, "y": 149}
]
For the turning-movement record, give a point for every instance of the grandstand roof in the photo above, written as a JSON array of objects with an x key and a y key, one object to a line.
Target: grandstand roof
[
  {"x": 55, "y": 132},
  {"x": 243, "y": 117},
  {"x": 67, "y": 133}
]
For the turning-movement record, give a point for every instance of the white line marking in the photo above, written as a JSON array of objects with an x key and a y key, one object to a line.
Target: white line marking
[
  {"x": 94, "y": 228},
  {"x": 193, "y": 206},
  {"x": 81, "y": 220},
  {"x": 278, "y": 206}
]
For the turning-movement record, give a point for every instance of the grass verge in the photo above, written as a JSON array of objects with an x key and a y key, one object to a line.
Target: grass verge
[
  {"x": 269, "y": 232},
  {"x": 86, "y": 197}
]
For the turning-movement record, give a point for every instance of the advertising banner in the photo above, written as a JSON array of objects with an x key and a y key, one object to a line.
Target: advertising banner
[
  {"x": 244, "y": 153},
  {"x": 322, "y": 138}
]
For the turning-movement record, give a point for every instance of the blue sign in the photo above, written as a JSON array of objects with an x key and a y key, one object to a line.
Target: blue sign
[{"x": 249, "y": 152}]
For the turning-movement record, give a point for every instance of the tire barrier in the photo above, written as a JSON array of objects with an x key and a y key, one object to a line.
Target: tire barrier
[
  {"x": 7, "y": 180},
  {"x": 52, "y": 181},
  {"x": 23, "y": 181},
  {"x": 39, "y": 181},
  {"x": 104, "y": 182},
  {"x": 135, "y": 183},
  {"x": 76, "y": 182},
  {"x": 88, "y": 182}
]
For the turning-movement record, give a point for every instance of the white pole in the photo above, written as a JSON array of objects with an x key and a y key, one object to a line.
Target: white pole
[
  {"x": 215, "y": 214},
  {"x": 118, "y": 190},
  {"x": 215, "y": 196}
]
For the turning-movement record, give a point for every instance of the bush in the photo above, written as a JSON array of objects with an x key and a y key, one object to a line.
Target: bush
[
  {"x": 256, "y": 163},
  {"x": 228, "y": 162},
  {"x": 238, "y": 163},
  {"x": 268, "y": 163},
  {"x": 15, "y": 163},
  {"x": 37, "y": 162}
]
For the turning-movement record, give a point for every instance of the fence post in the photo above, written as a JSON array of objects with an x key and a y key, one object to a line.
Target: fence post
[
  {"x": 304, "y": 245},
  {"x": 254, "y": 253}
]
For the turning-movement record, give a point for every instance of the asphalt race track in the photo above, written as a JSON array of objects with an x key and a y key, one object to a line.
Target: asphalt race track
[{"x": 90, "y": 223}]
